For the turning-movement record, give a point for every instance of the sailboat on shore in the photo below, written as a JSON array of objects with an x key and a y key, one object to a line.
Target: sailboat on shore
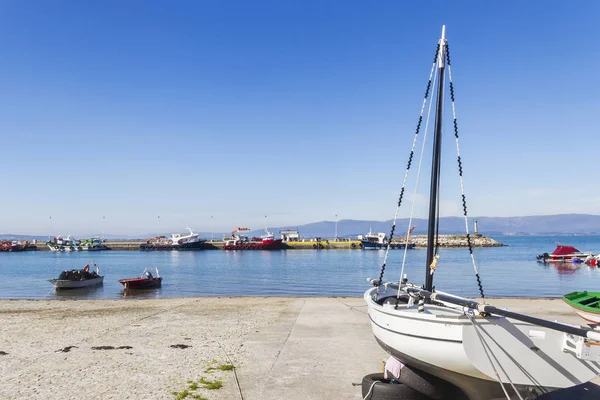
[{"x": 487, "y": 352}]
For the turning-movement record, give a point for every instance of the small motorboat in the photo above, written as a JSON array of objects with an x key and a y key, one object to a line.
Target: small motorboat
[
  {"x": 564, "y": 254},
  {"x": 586, "y": 304},
  {"x": 78, "y": 278},
  {"x": 146, "y": 281}
]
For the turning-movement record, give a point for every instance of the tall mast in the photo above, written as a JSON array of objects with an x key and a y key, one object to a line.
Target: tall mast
[{"x": 436, "y": 161}]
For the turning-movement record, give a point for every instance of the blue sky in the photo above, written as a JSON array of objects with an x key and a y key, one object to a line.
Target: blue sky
[{"x": 294, "y": 110}]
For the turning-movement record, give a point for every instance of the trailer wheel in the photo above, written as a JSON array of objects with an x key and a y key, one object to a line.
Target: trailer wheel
[{"x": 374, "y": 387}]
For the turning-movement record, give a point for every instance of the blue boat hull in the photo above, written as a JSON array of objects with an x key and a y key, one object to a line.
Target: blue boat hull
[{"x": 376, "y": 246}]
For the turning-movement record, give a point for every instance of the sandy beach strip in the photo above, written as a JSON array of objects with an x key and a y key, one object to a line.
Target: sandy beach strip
[{"x": 293, "y": 348}]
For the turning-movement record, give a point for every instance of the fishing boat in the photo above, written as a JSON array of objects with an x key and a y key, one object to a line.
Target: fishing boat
[
  {"x": 59, "y": 243},
  {"x": 13, "y": 245},
  {"x": 378, "y": 241},
  {"x": 92, "y": 244},
  {"x": 177, "y": 241},
  {"x": 78, "y": 278},
  {"x": 239, "y": 241},
  {"x": 586, "y": 305},
  {"x": 564, "y": 254},
  {"x": 146, "y": 281},
  {"x": 484, "y": 351}
]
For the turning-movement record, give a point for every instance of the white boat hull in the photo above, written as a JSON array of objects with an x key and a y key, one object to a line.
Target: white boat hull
[
  {"x": 67, "y": 284},
  {"x": 444, "y": 342},
  {"x": 588, "y": 316}
]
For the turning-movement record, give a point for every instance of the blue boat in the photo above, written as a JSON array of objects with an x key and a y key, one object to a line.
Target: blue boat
[{"x": 376, "y": 241}]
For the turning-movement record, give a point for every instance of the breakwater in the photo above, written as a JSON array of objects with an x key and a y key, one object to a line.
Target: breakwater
[{"x": 446, "y": 241}]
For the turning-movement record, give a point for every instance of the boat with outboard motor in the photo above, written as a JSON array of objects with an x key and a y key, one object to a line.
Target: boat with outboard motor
[
  {"x": 78, "y": 278},
  {"x": 484, "y": 351},
  {"x": 146, "y": 281},
  {"x": 176, "y": 241},
  {"x": 565, "y": 254},
  {"x": 238, "y": 241}
]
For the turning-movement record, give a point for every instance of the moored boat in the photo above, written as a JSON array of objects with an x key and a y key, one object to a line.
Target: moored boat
[
  {"x": 176, "y": 241},
  {"x": 78, "y": 278},
  {"x": 13, "y": 245},
  {"x": 586, "y": 304},
  {"x": 564, "y": 254},
  {"x": 242, "y": 242},
  {"x": 92, "y": 244},
  {"x": 377, "y": 241},
  {"x": 59, "y": 243},
  {"x": 146, "y": 281}
]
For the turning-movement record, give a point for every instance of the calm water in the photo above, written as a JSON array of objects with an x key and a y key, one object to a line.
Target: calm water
[{"x": 505, "y": 271}]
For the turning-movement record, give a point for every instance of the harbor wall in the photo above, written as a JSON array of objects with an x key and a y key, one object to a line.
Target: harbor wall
[{"x": 420, "y": 241}]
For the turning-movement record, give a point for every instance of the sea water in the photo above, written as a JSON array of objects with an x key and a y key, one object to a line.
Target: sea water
[{"x": 510, "y": 271}]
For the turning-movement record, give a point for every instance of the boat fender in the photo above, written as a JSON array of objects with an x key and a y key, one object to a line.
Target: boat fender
[
  {"x": 86, "y": 268},
  {"x": 170, "y": 241},
  {"x": 314, "y": 246},
  {"x": 353, "y": 245},
  {"x": 180, "y": 241}
]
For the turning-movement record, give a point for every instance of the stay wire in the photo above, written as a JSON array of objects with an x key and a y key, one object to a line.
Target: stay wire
[
  {"x": 488, "y": 352},
  {"x": 460, "y": 173},
  {"x": 410, "y": 157}
]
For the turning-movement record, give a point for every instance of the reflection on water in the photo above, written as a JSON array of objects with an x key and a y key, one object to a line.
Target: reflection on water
[
  {"x": 151, "y": 293},
  {"x": 505, "y": 271},
  {"x": 79, "y": 292}
]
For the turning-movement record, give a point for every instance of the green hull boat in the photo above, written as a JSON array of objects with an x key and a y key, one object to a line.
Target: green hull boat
[{"x": 586, "y": 304}]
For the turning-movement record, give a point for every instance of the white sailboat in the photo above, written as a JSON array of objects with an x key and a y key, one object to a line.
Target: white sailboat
[{"x": 487, "y": 352}]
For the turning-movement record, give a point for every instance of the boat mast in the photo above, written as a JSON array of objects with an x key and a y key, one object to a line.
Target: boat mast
[{"x": 435, "y": 163}]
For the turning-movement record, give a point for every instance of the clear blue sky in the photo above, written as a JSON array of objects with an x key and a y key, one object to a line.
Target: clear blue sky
[{"x": 297, "y": 110}]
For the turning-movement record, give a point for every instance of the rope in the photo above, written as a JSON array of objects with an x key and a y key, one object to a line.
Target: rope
[
  {"x": 370, "y": 389},
  {"x": 412, "y": 209},
  {"x": 460, "y": 173},
  {"x": 410, "y": 157},
  {"x": 486, "y": 348}
]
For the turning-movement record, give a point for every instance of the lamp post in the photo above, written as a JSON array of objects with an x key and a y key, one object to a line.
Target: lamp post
[
  {"x": 212, "y": 236},
  {"x": 102, "y": 228},
  {"x": 158, "y": 226},
  {"x": 336, "y": 231}
]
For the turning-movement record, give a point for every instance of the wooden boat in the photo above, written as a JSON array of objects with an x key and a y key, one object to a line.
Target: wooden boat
[
  {"x": 485, "y": 351},
  {"x": 146, "y": 281},
  {"x": 586, "y": 304},
  {"x": 78, "y": 278}
]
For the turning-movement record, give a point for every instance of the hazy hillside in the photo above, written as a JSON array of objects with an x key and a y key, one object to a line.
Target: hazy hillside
[{"x": 531, "y": 225}]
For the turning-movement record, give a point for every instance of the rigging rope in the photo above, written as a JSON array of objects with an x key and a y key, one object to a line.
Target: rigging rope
[
  {"x": 488, "y": 351},
  {"x": 412, "y": 209},
  {"x": 460, "y": 173},
  {"x": 410, "y": 157}
]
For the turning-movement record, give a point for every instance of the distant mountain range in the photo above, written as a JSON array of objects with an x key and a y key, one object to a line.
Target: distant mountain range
[{"x": 561, "y": 224}]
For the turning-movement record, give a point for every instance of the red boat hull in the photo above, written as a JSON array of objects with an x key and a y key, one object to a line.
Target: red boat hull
[
  {"x": 141, "y": 283},
  {"x": 269, "y": 245},
  {"x": 9, "y": 246}
]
